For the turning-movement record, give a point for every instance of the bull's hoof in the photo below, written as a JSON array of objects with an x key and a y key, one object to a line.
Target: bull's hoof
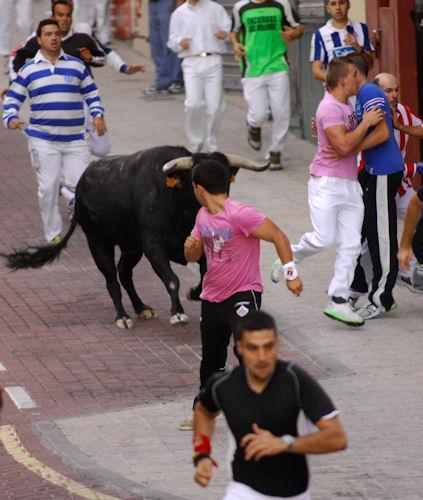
[
  {"x": 193, "y": 294},
  {"x": 147, "y": 314},
  {"x": 124, "y": 323},
  {"x": 178, "y": 319}
]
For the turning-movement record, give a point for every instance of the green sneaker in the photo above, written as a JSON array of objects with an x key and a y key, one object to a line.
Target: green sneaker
[{"x": 343, "y": 313}]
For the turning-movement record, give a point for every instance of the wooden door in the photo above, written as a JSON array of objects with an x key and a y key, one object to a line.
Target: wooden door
[{"x": 393, "y": 34}]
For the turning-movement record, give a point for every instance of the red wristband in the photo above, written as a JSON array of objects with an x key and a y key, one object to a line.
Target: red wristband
[{"x": 201, "y": 443}]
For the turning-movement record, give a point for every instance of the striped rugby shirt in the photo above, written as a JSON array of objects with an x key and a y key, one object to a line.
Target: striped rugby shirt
[
  {"x": 328, "y": 42},
  {"x": 57, "y": 93}
]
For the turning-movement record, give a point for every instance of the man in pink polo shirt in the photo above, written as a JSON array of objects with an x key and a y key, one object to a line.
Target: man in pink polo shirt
[
  {"x": 229, "y": 234},
  {"x": 334, "y": 193}
]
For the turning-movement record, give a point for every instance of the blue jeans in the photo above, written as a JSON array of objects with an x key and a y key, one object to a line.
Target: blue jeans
[{"x": 168, "y": 65}]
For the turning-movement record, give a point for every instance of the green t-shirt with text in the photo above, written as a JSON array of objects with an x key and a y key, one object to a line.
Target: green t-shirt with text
[{"x": 259, "y": 26}]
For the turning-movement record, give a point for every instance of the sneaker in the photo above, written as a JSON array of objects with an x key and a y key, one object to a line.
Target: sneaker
[
  {"x": 187, "y": 424},
  {"x": 417, "y": 278},
  {"x": 354, "y": 298},
  {"x": 176, "y": 88},
  {"x": 276, "y": 271},
  {"x": 353, "y": 303},
  {"x": 56, "y": 240},
  {"x": 407, "y": 282},
  {"x": 370, "y": 310},
  {"x": 254, "y": 137},
  {"x": 275, "y": 161},
  {"x": 343, "y": 313},
  {"x": 153, "y": 90}
]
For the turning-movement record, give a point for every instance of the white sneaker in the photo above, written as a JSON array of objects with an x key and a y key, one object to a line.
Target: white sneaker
[
  {"x": 343, "y": 313},
  {"x": 276, "y": 271},
  {"x": 187, "y": 424},
  {"x": 417, "y": 278},
  {"x": 370, "y": 310},
  {"x": 354, "y": 298}
]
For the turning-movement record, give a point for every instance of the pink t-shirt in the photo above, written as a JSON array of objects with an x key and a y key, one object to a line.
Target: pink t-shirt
[
  {"x": 232, "y": 254},
  {"x": 332, "y": 112}
]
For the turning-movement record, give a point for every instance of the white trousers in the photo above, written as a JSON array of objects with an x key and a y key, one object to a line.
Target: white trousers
[
  {"x": 336, "y": 212},
  {"x": 23, "y": 12},
  {"x": 56, "y": 163},
  {"x": 94, "y": 12},
  {"x": 240, "y": 491},
  {"x": 203, "y": 77},
  {"x": 269, "y": 90}
]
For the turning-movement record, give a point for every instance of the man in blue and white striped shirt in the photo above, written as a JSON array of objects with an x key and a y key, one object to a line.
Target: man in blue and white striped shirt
[
  {"x": 337, "y": 38},
  {"x": 57, "y": 85}
]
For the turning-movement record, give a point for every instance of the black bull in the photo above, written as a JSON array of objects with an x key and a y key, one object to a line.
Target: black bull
[{"x": 131, "y": 202}]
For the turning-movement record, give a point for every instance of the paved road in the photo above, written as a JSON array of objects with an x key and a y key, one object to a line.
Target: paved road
[{"x": 108, "y": 401}]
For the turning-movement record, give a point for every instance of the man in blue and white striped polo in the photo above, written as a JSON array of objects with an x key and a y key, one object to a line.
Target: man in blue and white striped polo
[
  {"x": 337, "y": 38},
  {"x": 57, "y": 84}
]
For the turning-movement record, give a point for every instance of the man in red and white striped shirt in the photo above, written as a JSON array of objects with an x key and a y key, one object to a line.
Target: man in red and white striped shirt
[{"x": 389, "y": 84}]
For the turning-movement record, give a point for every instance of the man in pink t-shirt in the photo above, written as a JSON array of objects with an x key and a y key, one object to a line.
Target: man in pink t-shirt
[
  {"x": 334, "y": 193},
  {"x": 229, "y": 234}
]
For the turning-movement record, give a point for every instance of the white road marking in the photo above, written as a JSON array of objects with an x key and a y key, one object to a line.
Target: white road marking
[{"x": 20, "y": 397}]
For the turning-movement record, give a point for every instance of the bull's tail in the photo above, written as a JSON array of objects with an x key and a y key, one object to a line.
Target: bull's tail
[{"x": 36, "y": 256}]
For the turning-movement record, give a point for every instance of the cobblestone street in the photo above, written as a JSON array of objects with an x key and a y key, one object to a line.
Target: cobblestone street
[{"x": 106, "y": 403}]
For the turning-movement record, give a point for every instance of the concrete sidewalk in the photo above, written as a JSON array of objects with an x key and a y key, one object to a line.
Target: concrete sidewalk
[{"x": 131, "y": 446}]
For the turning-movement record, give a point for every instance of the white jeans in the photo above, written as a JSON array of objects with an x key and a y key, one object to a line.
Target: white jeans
[
  {"x": 269, "y": 90},
  {"x": 23, "y": 12},
  {"x": 203, "y": 78},
  {"x": 94, "y": 11},
  {"x": 336, "y": 212},
  {"x": 56, "y": 163},
  {"x": 240, "y": 491}
]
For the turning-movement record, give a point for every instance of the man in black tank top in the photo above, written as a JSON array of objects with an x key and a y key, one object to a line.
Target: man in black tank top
[{"x": 262, "y": 402}]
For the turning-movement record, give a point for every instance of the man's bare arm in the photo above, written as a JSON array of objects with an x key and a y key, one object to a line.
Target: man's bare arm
[
  {"x": 414, "y": 130},
  {"x": 410, "y": 222},
  {"x": 203, "y": 426},
  {"x": 269, "y": 231},
  {"x": 290, "y": 33},
  {"x": 193, "y": 249},
  {"x": 318, "y": 71},
  {"x": 329, "y": 438},
  {"x": 379, "y": 135},
  {"x": 238, "y": 47},
  {"x": 346, "y": 142}
]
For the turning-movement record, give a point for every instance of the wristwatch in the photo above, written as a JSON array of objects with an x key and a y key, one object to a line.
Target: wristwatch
[{"x": 289, "y": 441}]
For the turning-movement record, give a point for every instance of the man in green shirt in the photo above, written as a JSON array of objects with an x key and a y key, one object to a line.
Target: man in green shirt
[{"x": 260, "y": 30}]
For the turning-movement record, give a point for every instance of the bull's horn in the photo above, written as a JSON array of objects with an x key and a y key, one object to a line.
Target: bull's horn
[
  {"x": 240, "y": 162},
  {"x": 182, "y": 163}
]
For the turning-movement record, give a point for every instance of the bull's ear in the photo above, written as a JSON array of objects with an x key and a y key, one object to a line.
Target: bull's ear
[{"x": 173, "y": 181}]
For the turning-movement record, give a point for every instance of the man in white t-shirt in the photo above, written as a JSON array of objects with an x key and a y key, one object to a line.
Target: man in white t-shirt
[{"x": 338, "y": 37}]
